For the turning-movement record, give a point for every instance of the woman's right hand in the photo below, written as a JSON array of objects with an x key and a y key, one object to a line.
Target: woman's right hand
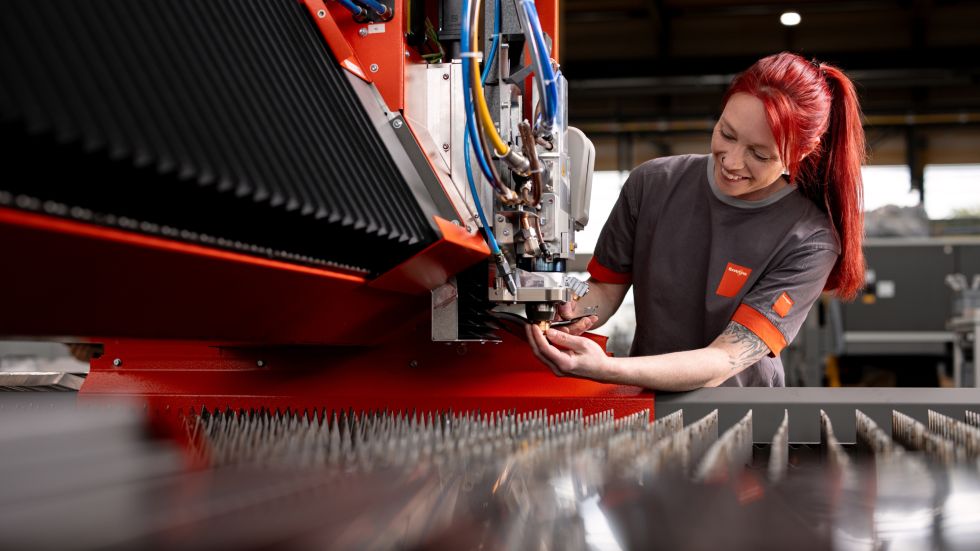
[{"x": 569, "y": 311}]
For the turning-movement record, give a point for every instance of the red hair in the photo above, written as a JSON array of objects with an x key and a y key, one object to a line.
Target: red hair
[{"x": 813, "y": 112}]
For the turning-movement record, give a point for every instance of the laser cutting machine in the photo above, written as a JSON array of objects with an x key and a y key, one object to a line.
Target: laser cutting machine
[{"x": 360, "y": 192}]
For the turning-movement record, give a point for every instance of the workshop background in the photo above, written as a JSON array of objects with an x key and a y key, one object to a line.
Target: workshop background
[{"x": 646, "y": 80}]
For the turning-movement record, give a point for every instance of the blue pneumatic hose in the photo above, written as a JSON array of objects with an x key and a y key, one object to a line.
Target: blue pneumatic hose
[
  {"x": 495, "y": 44},
  {"x": 352, "y": 7},
  {"x": 488, "y": 235},
  {"x": 475, "y": 141}
]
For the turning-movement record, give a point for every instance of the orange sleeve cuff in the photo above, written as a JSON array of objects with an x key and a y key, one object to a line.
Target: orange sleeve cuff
[
  {"x": 754, "y": 321},
  {"x": 605, "y": 275}
]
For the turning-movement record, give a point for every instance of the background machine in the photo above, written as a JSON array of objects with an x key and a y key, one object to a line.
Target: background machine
[{"x": 304, "y": 237}]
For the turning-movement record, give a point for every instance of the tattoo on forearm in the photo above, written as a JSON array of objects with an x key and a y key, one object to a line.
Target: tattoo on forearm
[{"x": 750, "y": 347}]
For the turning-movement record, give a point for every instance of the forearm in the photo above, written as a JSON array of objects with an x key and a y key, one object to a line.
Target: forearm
[
  {"x": 677, "y": 371},
  {"x": 735, "y": 349},
  {"x": 603, "y": 298}
]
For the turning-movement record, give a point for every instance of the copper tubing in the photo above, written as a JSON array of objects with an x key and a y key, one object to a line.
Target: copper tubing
[
  {"x": 528, "y": 141},
  {"x": 525, "y": 224},
  {"x": 537, "y": 226}
]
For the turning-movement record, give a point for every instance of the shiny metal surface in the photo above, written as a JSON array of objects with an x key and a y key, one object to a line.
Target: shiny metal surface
[
  {"x": 476, "y": 480},
  {"x": 729, "y": 455},
  {"x": 779, "y": 451},
  {"x": 39, "y": 381}
]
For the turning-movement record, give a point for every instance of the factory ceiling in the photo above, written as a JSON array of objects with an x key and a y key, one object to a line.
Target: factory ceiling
[{"x": 659, "y": 67}]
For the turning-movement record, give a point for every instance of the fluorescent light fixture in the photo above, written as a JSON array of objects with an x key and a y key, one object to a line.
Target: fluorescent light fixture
[{"x": 790, "y": 19}]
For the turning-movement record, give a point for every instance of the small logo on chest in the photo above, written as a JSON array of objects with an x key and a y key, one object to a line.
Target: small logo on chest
[
  {"x": 783, "y": 305},
  {"x": 733, "y": 279}
]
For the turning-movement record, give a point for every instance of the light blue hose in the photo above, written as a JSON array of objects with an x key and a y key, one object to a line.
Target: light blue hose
[
  {"x": 544, "y": 63},
  {"x": 352, "y": 7},
  {"x": 488, "y": 235}
]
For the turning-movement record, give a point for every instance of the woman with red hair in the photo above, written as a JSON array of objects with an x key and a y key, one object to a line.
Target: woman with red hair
[{"x": 727, "y": 252}]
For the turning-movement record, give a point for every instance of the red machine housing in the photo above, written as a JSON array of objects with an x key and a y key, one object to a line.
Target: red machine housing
[{"x": 186, "y": 326}]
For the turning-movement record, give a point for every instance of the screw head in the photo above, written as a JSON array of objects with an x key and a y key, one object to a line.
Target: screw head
[
  {"x": 506, "y": 233},
  {"x": 117, "y": 362},
  {"x": 445, "y": 147},
  {"x": 374, "y": 67},
  {"x": 500, "y": 218},
  {"x": 413, "y": 364},
  {"x": 445, "y": 76},
  {"x": 362, "y": 31},
  {"x": 260, "y": 363},
  {"x": 397, "y": 123},
  {"x": 321, "y": 13}
]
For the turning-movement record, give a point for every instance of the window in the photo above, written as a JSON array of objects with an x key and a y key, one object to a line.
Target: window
[
  {"x": 952, "y": 191},
  {"x": 888, "y": 185}
]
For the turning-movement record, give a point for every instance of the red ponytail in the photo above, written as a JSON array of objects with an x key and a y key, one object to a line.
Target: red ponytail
[{"x": 814, "y": 115}]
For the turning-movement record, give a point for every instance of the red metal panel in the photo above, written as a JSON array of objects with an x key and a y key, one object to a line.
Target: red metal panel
[
  {"x": 409, "y": 373},
  {"x": 456, "y": 251},
  {"x": 68, "y": 278},
  {"x": 341, "y": 49},
  {"x": 381, "y": 50},
  {"x": 548, "y": 15}
]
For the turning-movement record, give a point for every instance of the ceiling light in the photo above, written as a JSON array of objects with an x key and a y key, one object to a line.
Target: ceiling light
[{"x": 790, "y": 19}]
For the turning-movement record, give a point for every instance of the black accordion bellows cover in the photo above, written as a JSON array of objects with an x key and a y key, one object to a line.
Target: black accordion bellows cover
[{"x": 222, "y": 122}]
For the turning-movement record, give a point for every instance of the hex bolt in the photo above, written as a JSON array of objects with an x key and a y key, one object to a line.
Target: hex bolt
[
  {"x": 117, "y": 362},
  {"x": 397, "y": 123},
  {"x": 374, "y": 67},
  {"x": 321, "y": 13},
  {"x": 362, "y": 31},
  {"x": 445, "y": 147}
]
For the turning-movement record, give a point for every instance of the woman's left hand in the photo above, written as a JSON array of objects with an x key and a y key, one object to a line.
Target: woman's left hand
[{"x": 569, "y": 355}]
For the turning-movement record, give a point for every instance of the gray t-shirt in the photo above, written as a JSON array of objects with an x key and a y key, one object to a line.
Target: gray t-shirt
[{"x": 698, "y": 259}]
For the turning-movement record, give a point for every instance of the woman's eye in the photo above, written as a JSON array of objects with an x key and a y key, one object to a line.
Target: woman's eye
[
  {"x": 760, "y": 156},
  {"x": 727, "y": 136}
]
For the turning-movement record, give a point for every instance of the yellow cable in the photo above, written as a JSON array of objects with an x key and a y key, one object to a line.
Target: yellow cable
[{"x": 481, "y": 101}]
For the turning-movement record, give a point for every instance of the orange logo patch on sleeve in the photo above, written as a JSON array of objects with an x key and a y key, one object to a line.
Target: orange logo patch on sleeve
[
  {"x": 783, "y": 305},
  {"x": 733, "y": 280}
]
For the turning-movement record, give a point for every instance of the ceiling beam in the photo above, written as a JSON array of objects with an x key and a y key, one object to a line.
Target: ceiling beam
[
  {"x": 956, "y": 58},
  {"x": 705, "y": 124}
]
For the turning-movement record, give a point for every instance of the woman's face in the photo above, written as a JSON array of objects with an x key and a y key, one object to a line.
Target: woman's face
[{"x": 747, "y": 163}]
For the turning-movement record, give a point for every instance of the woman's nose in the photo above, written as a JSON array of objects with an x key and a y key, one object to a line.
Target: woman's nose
[{"x": 731, "y": 161}]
